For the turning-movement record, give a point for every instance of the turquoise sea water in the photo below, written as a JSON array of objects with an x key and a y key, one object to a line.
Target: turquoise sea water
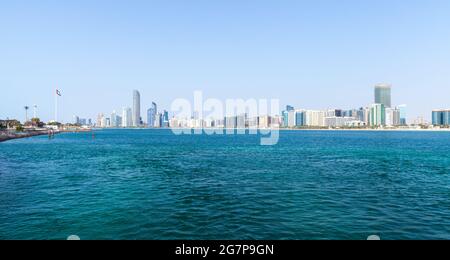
[{"x": 151, "y": 184}]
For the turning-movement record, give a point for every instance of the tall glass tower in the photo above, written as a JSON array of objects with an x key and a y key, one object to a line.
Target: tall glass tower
[
  {"x": 383, "y": 95},
  {"x": 136, "y": 108},
  {"x": 151, "y": 115}
]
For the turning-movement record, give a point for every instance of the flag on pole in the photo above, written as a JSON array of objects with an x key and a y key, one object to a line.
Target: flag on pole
[{"x": 58, "y": 92}]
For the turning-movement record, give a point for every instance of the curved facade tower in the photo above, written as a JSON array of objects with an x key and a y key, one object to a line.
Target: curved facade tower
[{"x": 136, "y": 108}]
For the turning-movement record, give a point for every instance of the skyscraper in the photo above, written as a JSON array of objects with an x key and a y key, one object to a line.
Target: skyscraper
[
  {"x": 165, "y": 119},
  {"x": 114, "y": 122},
  {"x": 126, "y": 117},
  {"x": 136, "y": 108},
  {"x": 151, "y": 115},
  {"x": 383, "y": 95}
]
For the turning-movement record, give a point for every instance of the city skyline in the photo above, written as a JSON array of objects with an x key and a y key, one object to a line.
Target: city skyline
[
  {"x": 376, "y": 113},
  {"x": 314, "y": 55}
]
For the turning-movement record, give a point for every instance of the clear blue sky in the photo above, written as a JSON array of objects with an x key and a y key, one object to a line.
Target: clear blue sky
[{"x": 311, "y": 54}]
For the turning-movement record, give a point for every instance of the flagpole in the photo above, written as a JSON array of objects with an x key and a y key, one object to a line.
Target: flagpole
[{"x": 56, "y": 106}]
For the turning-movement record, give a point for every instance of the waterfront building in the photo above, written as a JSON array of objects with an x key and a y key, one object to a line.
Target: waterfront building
[
  {"x": 300, "y": 118},
  {"x": 338, "y": 121},
  {"x": 165, "y": 119},
  {"x": 441, "y": 117},
  {"x": 360, "y": 114},
  {"x": 315, "y": 118},
  {"x": 330, "y": 113},
  {"x": 292, "y": 117},
  {"x": 264, "y": 122},
  {"x": 334, "y": 113},
  {"x": 285, "y": 118},
  {"x": 350, "y": 113},
  {"x": 403, "y": 115},
  {"x": 253, "y": 122},
  {"x": 377, "y": 115},
  {"x": 158, "y": 120},
  {"x": 100, "y": 120},
  {"x": 114, "y": 122},
  {"x": 127, "y": 117},
  {"x": 230, "y": 122},
  {"x": 392, "y": 117},
  {"x": 136, "y": 118},
  {"x": 383, "y": 95},
  {"x": 151, "y": 115},
  {"x": 367, "y": 116}
]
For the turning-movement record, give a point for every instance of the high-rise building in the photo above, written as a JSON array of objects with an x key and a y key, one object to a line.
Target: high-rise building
[
  {"x": 367, "y": 116},
  {"x": 151, "y": 115},
  {"x": 289, "y": 108},
  {"x": 292, "y": 118},
  {"x": 360, "y": 114},
  {"x": 377, "y": 115},
  {"x": 99, "y": 120},
  {"x": 285, "y": 116},
  {"x": 315, "y": 118},
  {"x": 114, "y": 122},
  {"x": 300, "y": 118},
  {"x": 136, "y": 108},
  {"x": 392, "y": 117},
  {"x": 127, "y": 117},
  {"x": 403, "y": 115},
  {"x": 441, "y": 117},
  {"x": 165, "y": 119},
  {"x": 383, "y": 95}
]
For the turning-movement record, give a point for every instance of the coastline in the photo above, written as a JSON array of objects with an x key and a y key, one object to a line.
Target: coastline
[
  {"x": 284, "y": 129},
  {"x": 7, "y": 136}
]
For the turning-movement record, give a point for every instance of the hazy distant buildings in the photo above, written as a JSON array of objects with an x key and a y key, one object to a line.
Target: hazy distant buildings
[
  {"x": 76, "y": 120},
  {"x": 136, "y": 118},
  {"x": 383, "y": 95}
]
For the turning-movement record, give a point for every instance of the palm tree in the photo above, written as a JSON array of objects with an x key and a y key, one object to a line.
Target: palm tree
[{"x": 26, "y": 113}]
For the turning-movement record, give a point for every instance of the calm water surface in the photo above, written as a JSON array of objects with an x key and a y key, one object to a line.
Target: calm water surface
[{"x": 150, "y": 184}]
